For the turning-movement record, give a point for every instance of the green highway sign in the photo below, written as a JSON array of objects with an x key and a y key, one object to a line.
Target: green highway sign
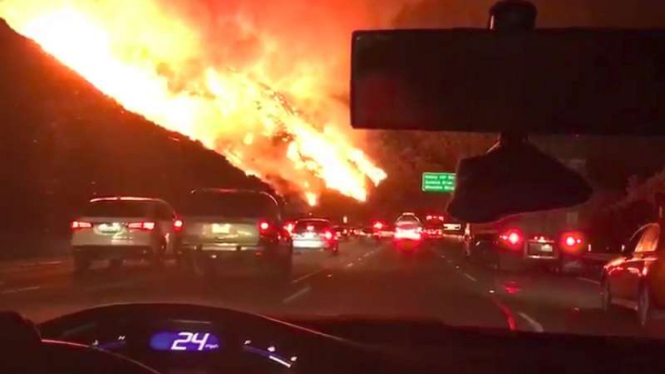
[{"x": 438, "y": 182}]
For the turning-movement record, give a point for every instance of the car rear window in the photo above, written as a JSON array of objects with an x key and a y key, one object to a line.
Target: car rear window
[
  {"x": 234, "y": 205},
  {"x": 117, "y": 208},
  {"x": 408, "y": 225},
  {"x": 407, "y": 220},
  {"x": 317, "y": 224}
]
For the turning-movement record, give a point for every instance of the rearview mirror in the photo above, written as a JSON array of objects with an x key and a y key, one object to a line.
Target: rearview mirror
[
  {"x": 513, "y": 177},
  {"x": 538, "y": 82}
]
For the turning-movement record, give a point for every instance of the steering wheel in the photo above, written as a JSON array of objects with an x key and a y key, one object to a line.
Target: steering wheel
[
  {"x": 316, "y": 352},
  {"x": 23, "y": 351}
]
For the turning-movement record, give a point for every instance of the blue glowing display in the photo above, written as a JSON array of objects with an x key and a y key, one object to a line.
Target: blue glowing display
[{"x": 184, "y": 341}]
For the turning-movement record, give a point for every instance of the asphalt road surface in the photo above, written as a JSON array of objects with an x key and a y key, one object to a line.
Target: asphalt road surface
[{"x": 367, "y": 279}]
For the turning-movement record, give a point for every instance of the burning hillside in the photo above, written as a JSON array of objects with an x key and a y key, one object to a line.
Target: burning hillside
[{"x": 220, "y": 75}]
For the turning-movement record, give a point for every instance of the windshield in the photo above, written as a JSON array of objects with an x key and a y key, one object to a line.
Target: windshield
[
  {"x": 317, "y": 225},
  {"x": 246, "y": 101},
  {"x": 230, "y": 205},
  {"x": 111, "y": 208}
]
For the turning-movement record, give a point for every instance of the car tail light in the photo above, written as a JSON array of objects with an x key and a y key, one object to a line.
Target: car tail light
[
  {"x": 572, "y": 241},
  {"x": 328, "y": 235},
  {"x": 178, "y": 225},
  {"x": 264, "y": 227},
  {"x": 76, "y": 225},
  {"x": 512, "y": 238},
  {"x": 378, "y": 225},
  {"x": 147, "y": 225}
]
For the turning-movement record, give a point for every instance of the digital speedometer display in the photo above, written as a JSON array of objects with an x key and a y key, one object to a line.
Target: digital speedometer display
[{"x": 184, "y": 341}]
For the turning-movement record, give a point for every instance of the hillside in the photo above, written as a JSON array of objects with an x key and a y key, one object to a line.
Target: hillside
[{"x": 63, "y": 142}]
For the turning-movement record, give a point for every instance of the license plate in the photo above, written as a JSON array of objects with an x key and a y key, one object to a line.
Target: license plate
[
  {"x": 218, "y": 228},
  {"x": 109, "y": 228},
  {"x": 546, "y": 248},
  {"x": 228, "y": 248}
]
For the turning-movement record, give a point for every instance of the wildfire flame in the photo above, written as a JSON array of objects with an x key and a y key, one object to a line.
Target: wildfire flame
[{"x": 231, "y": 109}]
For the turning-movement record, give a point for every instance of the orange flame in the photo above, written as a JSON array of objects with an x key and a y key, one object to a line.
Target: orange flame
[{"x": 230, "y": 109}]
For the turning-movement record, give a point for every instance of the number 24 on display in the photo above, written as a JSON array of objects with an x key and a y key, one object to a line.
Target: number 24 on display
[{"x": 187, "y": 338}]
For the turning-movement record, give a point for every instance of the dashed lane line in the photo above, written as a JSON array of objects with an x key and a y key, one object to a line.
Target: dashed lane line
[
  {"x": 589, "y": 280},
  {"x": 535, "y": 325},
  {"x": 17, "y": 290},
  {"x": 470, "y": 277},
  {"x": 308, "y": 275},
  {"x": 298, "y": 294}
]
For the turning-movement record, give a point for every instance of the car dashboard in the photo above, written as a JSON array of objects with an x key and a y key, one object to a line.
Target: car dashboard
[{"x": 187, "y": 346}]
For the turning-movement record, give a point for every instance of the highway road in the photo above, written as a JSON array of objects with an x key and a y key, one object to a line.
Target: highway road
[{"x": 367, "y": 279}]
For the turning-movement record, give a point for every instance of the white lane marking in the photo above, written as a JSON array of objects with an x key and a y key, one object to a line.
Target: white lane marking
[
  {"x": 535, "y": 325},
  {"x": 588, "y": 280},
  {"x": 349, "y": 264},
  {"x": 307, "y": 276},
  {"x": 300, "y": 293},
  {"x": 17, "y": 290},
  {"x": 470, "y": 277},
  {"x": 50, "y": 263}
]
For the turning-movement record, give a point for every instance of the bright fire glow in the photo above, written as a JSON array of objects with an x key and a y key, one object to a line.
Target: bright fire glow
[{"x": 148, "y": 60}]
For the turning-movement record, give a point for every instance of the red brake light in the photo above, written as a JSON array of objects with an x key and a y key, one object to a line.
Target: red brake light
[
  {"x": 177, "y": 225},
  {"x": 572, "y": 241},
  {"x": 75, "y": 225},
  {"x": 328, "y": 235},
  {"x": 513, "y": 238},
  {"x": 378, "y": 225},
  {"x": 263, "y": 227},
  {"x": 148, "y": 226}
]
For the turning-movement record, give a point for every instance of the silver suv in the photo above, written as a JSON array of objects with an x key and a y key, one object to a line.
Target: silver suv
[
  {"x": 233, "y": 227},
  {"x": 117, "y": 228}
]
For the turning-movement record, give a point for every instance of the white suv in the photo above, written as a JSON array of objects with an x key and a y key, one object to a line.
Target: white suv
[{"x": 116, "y": 228}]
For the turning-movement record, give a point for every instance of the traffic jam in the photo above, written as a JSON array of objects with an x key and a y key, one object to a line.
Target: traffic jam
[{"x": 222, "y": 230}]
